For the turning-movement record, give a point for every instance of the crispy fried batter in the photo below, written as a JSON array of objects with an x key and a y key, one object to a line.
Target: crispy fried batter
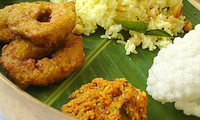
[
  {"x": 37, "y": 30},
  {"x": 5, "y": 33},
  {"x": 104, "y": 100},
  {"x": 43, "y": 23},
  {"x": 28, "y": 70}
]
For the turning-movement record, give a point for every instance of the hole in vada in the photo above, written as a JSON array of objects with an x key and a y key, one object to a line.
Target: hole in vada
[{"x": 45, "y": 16}]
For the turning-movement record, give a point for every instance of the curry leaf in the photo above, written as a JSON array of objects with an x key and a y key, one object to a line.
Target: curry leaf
[
  {"x": 158, "y": 32},
  {"x": 133, "y": 25}
]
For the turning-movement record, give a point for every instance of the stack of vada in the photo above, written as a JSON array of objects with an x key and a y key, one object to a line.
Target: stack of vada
[{"x": 40, "y": 47}]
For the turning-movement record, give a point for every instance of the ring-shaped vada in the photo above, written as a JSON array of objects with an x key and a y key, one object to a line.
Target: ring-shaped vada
[
  {"x": 43, "y": 23},
  {"x": 27, "y": 64}
]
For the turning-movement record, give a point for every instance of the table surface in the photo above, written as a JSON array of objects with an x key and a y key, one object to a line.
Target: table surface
[{"x": 196, "y": 3}]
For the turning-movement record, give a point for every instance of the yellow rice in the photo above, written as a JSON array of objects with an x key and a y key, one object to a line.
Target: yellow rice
[{"x": 94, "y": 13}]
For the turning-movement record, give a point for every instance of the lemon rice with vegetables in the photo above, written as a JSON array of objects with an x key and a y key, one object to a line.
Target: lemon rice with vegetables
[{"x": 163, "y": 15}]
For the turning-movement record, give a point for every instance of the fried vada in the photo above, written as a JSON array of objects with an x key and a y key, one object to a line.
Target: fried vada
[
  {"x": 28, "y": 64},
  {"x": 43, "y": 23}
]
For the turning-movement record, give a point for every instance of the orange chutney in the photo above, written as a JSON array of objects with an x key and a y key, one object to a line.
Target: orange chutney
[{"x": 107, "y": 100}]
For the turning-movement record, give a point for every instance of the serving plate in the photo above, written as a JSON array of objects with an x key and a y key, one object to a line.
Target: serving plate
[{"x": 104, "y": 58}]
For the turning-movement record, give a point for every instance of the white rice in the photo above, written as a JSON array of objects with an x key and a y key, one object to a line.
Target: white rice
[
  {"x": 94, "y": 13},
  {"x": 175, "y": 74}
]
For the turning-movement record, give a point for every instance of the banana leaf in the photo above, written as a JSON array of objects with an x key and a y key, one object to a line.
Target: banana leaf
[{"x": 107, "y": 59}]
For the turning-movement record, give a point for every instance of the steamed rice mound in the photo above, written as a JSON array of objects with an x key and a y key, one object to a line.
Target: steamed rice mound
[
  {"x": 175, "y": 74},
  {"x": 94, "y": 13}
]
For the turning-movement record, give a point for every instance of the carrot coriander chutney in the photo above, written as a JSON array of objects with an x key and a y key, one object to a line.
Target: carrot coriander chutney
[{"x": 107, "y": 100}]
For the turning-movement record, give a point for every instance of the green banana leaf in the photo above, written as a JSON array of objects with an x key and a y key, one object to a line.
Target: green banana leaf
[{"x": 107, "y": 59}]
